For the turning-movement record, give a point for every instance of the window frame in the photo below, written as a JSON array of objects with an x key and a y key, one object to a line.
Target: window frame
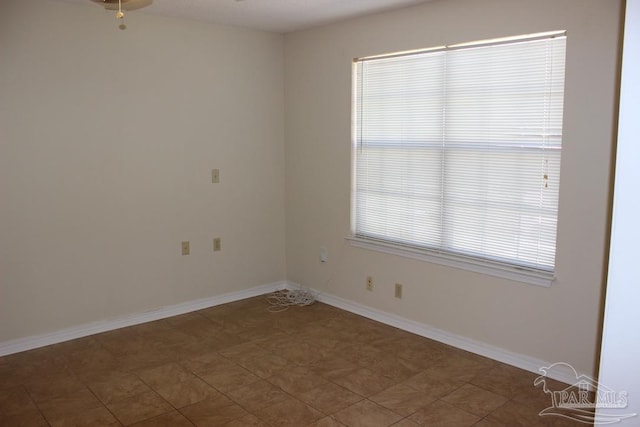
[{"x": 507, "y": 270}]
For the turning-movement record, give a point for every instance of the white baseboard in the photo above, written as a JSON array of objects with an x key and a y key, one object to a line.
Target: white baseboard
[
  {"x": 29, "y": 343},
  {"x": 514, "y": 359},
  {"x": 521, "y": 361}
]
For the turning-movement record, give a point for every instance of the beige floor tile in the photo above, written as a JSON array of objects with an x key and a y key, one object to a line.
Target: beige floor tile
[
  {"x": 475, "y": 400},
  {"x": 47, "y": 388},
  {"x": 508, "y": 381},
  {"x": 460, "y": 367},
  {"x": 367, "y": 414},
  {"x": 518, "y": 415},
  {"x": 355, "y": 351},
  {"x": 214, "y": 411},
  {"x": 442, "y": 414},
  {"x": 121, "y": 341},
  {"x": 405, "y": 423},
  {"x": 228, "y": 377},
  {"x": 329, "y": 398},
  {"x": 85, "y": 343},
  {"x": 324, "y": 339},
  {"x": 390, "y": 366},
  {"x": 96, "y": 417},
  {"x": 192, "y": 348},
  {"x": 246, "y": 421},
  {"x": 257, "y": 395},
  {"x": 364, "y": 382},
  {"x": 260, "y": 330},
  {"x": 28, "y": 356},
  {"x": 186, "y": 392},
  {"x": 242, "y": 352},
  {"x": 152, "y": 357},
  {"x": 27, "y": 419},
  {"x": 301, "y": 353},
  {"x": 197, "y": 326},
  {"x": 61, "y": 406},
  {"x": 36, "y": 365},
  {"x": 277, "y": 342},
  {"x": 118, "y": 386},
  {"x": 164, "y": 375},
  {"x": 216, "y": 312},
  {"x": 297, "y": 380},
  {"x": 334, "y": 367},
  {"x": 170, "y": 419},
  {"x": 139, "y": 408},
  {"x": 15, "y": 401},
  {"x": 10, "y": 377},
  {"x": 240, "y": 365},
  {"x": 486, "y": 423},
  {"x": 436, "y": 384},
  {"x": 374, "y": 333},
  {"x": 402, "y": 399},
  {"x": 97, "y": 359},
  {"x": 289, "y": 412},
  {"x": 327, "y": 422},
  {"x": 265, "y": 365},
  {"x": 529, "y": 394},
  {"x": 204, "y": 362},
  {"x": 212, "y": 329}
]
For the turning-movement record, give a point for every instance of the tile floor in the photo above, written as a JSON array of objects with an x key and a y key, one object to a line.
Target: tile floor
[{"x": 241, "y": 365}]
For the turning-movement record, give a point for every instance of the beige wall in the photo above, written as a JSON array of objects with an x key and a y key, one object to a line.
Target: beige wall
[
  {"x": 107, "y": 141},
  {"x": 560, "y": 323}
]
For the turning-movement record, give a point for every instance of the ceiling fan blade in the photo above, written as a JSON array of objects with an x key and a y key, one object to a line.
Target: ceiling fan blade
[{"x": 126, "y": 4}]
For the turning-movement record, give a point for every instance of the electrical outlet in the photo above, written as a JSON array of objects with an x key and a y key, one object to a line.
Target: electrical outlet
[
  {"x": 185, "y": 248},
  {"x": 369, "y": 283},
  {"x": 215, "y": 176},
  {"x": 217, "y": 244},
  {"x": 398, "y": 290}
]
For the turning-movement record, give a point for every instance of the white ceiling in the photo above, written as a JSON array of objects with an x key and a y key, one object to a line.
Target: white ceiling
[{"x": 280, "y": 16}]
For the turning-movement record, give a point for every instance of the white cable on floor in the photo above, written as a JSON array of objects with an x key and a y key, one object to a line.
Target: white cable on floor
[{"x": 282, "y": 300}]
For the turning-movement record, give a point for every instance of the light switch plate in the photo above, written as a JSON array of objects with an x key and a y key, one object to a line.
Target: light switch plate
[{"x": 398, "y": 292}]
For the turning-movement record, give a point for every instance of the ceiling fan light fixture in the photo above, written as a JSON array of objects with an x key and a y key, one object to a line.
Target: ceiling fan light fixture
[
  {"x": 120, "y": 7},
  {"x": 123, "y": 5}
]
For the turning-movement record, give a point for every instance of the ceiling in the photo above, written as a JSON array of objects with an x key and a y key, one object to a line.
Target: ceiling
[{"x": 281, "y": 16}]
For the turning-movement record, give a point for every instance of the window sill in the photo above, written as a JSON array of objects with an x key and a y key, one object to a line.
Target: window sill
[{"x": 538, "y": 278}]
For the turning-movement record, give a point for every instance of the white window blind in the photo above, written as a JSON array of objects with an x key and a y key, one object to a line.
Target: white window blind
[{"x": 457, "y": 150}]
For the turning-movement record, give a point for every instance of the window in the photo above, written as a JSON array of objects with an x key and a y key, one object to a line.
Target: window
[{"x": 456, "y": 153}]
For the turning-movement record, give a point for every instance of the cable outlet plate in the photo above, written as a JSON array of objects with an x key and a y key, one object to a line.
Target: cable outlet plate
[
  {"x": 369, "y": 283},
  {"x": 324, "y": 254}
]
